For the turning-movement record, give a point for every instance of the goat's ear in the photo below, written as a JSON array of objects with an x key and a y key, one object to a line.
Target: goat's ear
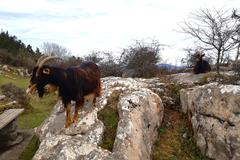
[{"x": 46, "y": 71}]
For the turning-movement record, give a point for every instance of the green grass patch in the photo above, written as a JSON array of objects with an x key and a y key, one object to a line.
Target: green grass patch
[
  {"x": 109, "y": 116},
  {"x": 30, "y": 150},
  {"x": 170, "y": 144},
  {"x": 41, "y": 108},
  {"x": 21, "y": 82},
  {"x": 161, "y": 130}
]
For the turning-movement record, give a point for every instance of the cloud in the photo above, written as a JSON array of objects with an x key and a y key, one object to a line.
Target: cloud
[{"x": 83, "y": 26}]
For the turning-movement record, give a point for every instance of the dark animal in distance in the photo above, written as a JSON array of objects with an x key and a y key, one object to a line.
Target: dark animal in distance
[
  {"x": 74, "y": 83},
  {"x": 201, "y": 66}
]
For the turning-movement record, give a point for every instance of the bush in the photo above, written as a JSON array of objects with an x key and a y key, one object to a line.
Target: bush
[
  {"x": 106, "y": 62},
  {"x": 236, "y": 68},
  {"x": 142, "y": 57},
  {"x": 15, "y": 93}
]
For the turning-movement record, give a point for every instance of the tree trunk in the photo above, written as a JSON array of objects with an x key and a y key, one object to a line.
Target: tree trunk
[
  {"x": 238, "y": 52},
  {"x": 221, "y": 58},
  {"x": 218, "y": 60}
]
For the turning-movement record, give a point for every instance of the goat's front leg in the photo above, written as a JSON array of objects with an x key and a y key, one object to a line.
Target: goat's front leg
[
  {"x": 79, "y": 105},
  {"x": 68, "y": 114}
]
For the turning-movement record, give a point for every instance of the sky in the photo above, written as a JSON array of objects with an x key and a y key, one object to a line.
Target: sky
[{"x": 83, "y": 26}]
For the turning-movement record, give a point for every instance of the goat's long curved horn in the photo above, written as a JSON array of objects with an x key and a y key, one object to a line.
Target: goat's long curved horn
[
  {"x": 44, "y": 61},
  {"x": 40, "y": 59}
]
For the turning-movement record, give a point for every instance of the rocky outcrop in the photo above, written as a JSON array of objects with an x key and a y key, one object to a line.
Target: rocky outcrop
[
  {"x": 188, "y": 79},
  {"x": 140, "y": 114},
  {"x": 214, "y": 111},
  {"x": 4, "y": 69}
]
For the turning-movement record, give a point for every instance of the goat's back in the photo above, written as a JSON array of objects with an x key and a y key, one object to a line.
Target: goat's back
[{"x": 87, "y": 77}]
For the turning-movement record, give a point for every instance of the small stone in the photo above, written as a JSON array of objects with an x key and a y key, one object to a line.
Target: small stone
[
  {"x": 2, "y": 97},
  {"x": 184, "y": 135}
]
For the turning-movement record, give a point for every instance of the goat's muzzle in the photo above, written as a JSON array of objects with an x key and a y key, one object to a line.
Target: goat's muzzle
[{"x": 31, "y": 89}]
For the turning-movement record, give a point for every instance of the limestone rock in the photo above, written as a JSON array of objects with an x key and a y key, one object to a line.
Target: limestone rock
[
  {"x": 140, "y": 114},
  {"x": 187, "y": 78},
  {"x": 5, "y": 68},
  {"x": 214, "y": 111}
]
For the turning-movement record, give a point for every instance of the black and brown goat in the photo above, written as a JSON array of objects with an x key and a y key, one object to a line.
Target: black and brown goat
[
  {"x": 73, "y": 83},
  {"x": 201, "y": 66}
]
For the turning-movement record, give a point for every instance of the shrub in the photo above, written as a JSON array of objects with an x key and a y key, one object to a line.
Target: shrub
[
  {"x": 142, "y": 57},
  {"x": 107, "y": 63},
  {"x": 15, "y": 93},
  {"x": 236, "y": 68}
]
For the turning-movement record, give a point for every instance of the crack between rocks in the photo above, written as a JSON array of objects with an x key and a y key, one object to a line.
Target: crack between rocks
[
  {"x": 218, "y": 118},
  {"x": 231, "y": 149},
  {"x": 206, "y": 149}
]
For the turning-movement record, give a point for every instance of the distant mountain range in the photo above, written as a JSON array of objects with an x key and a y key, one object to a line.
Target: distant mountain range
[{"x": 170, "y": 67}]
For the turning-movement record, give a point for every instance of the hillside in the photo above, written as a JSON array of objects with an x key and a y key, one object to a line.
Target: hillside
[{"x": 14, "y": 52}]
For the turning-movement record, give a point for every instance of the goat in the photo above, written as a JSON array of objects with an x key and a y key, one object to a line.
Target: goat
[
  {"x": 201, "y": 66},
  {"x": 73, "y": 83}
]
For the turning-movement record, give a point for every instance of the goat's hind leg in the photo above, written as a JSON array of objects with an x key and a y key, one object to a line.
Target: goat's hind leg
[
  {"x": 94, "y": 101},
  {"x": 68, "y": 115},
  {"x": 79, "y": 105},
  {"x": 95, "y": 95}
]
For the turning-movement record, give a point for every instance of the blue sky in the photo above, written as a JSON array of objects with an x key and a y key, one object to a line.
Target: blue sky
[{"x": 103, "y": 25}]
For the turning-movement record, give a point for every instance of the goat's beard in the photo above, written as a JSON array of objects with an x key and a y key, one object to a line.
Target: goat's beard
[{"x": 40, "y": 90}]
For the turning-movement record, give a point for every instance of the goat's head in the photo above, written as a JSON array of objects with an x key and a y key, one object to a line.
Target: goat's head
[
  {"x": 199, "y": 56},
  {"x": 40, "y": 76}
]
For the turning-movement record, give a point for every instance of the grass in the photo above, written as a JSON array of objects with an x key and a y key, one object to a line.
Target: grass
[
  {"x": 40, "y": 111},
  {"x": 32, "y": 147},
  {"x": 170, "y": 144},
  {"x": 21, "y": 82},
  {"x": 33, "y": 117},
  {"x": 41, "y": 108},
  {"x": 109, "y": 116}
]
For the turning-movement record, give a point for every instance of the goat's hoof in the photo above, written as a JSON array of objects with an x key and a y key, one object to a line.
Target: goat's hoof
[{"x": 75, "y": 123}]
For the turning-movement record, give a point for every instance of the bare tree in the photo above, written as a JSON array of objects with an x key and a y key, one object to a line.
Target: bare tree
[
  {"x": 109, "y": 65},
  {"x": 142, "y": 58},
  {"x": 214, "y": 30},
  {"x": 55, "y": 49},
  {"x": 95, "y": 57},
  {"x": 235, "y": 15},
  {"x": 236, "y": 38}
]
